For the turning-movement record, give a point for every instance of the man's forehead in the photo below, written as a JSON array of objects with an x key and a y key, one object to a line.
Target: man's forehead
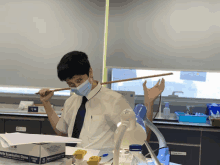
[{"x": 74, "y": 77}]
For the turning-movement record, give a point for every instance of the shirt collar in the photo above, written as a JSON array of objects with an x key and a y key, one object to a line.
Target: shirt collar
[{"x": 93, "y": 92}]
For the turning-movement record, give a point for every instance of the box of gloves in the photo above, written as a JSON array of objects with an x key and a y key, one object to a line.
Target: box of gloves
[{"x": 41, "y": 153}]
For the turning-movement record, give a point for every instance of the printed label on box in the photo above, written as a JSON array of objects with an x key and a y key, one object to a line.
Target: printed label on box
[
  {"x": 178, "y": 153},
  {"x": 21, "y": 129}
]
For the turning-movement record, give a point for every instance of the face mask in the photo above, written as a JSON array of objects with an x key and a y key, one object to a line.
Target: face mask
[{"x": 83, "y": 89}]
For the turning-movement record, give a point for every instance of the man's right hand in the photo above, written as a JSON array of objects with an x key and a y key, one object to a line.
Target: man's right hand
[{"x": 45, "y": 94}]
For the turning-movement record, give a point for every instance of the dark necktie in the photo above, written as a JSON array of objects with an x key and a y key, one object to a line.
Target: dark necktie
[{"x": 79, "y": 121}]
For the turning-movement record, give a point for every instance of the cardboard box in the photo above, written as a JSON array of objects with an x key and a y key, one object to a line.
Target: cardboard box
[
  {"x": 215, "y": 122},
  {"x": 34, "y": 153}
]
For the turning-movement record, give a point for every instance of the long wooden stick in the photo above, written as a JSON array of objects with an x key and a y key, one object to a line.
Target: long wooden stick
[{"x": 130, "y": 79}]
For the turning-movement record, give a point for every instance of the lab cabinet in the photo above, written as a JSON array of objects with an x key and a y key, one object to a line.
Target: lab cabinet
[
  {"x": 23, "y": 126},
  {"x": 46, "y": 128},
  {"x": 2, "y": 126},
  {"x": 185, "y": 155},
  {"x": 210, "y": 148},
  {"x": 178, "y": 136}
]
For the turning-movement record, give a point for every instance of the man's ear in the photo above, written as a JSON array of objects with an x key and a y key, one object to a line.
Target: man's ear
[
  {"x": 91, "y": 76},
  {"x": 91, "y": 72}
]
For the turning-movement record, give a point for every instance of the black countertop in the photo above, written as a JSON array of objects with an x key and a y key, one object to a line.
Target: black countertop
[{"x": 165, "y": 122}]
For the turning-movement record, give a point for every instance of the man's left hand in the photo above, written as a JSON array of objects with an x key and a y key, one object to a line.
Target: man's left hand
[{"x": 151, "y": 94}]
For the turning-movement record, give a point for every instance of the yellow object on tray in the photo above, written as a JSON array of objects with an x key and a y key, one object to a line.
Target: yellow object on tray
[
  {"x": 79, "y": 154},
  {"x": 94, "y": 160}
]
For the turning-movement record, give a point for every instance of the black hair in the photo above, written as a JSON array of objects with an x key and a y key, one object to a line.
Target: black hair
[{"x": 73, "y": 63}]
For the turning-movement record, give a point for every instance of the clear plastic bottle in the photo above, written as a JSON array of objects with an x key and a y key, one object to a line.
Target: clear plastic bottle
[
  {"x": 212, "y": 114},
  {"x": 217, "y": 114},
  {"x": 166, "y": 111},
  {"x": 138, "y": 157}
]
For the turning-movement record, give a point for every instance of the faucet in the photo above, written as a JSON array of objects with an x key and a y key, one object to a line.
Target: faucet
[
  {"x": 173, "y": 94},
  {"x": 189, "y": 109}
]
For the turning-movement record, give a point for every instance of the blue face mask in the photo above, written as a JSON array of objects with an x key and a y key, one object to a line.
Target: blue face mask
[{"x": 83, "y": 89}]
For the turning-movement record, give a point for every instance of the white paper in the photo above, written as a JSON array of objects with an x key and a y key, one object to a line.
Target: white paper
[
  {"x": 4, "y": 143},
  {"x": 25, "y": 104},
  {"x": 24, "y": 138}
]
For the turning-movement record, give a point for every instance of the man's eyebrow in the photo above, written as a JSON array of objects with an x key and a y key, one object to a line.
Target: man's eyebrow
[{"x": 76, "y": 78}]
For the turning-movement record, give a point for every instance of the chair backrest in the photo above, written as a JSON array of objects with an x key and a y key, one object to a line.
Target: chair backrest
[{"x": 140, "y": 112}]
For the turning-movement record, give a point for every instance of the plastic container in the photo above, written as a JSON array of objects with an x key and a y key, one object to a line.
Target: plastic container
[
  {"x": 166, "y": 111},
  {"x": 197, "y": 118},
  {"x": 125, "y": 157},
  {"x": 138, "y": 157}
]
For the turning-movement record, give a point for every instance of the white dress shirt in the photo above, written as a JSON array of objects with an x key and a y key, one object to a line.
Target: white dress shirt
[{"x": 103, "y": 110}]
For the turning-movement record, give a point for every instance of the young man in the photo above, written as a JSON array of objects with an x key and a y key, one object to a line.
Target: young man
[{"x": 93, "y": 112}]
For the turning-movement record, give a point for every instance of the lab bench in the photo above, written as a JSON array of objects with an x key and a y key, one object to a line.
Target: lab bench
[{"x": 189, "y": 144}]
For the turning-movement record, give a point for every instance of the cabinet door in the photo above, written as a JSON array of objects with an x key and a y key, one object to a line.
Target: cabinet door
[
  {"x": 178, "y": 136},
  {"x": 210, "y": 148},
  {"x": 25, "y": 126},
  {"x": 185, "y": 155},
  {"x": 2, "y": 126},
  {"x": 47, "y": 129}
]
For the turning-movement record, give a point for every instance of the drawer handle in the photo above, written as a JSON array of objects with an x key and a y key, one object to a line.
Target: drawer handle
[{"x": 21, "y": 129}]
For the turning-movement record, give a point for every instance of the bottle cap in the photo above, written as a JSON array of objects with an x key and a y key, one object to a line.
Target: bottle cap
[
  {"x": 166, "y": 104},
  {"x": 104, "y": 155},
  {"x": 135, "y": 147}
]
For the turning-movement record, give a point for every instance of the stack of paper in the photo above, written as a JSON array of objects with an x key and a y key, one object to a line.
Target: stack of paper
[{"x": 12, "y": 139}]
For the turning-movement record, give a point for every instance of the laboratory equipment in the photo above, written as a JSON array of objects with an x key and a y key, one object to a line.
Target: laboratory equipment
[
  {"x": 160, "y": 117},
  {"x": 166, "y": 111},
  {"x": 136, "y": 151},
  {"x": 163, "y": 155},
  {"x": 128, "y": 123},
  {"x": 127, "y": 133}
]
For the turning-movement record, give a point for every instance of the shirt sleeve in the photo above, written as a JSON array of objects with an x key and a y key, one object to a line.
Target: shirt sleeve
[
  {"x": 62, "y": 125},
  {"x": 120, "y": 105}
]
